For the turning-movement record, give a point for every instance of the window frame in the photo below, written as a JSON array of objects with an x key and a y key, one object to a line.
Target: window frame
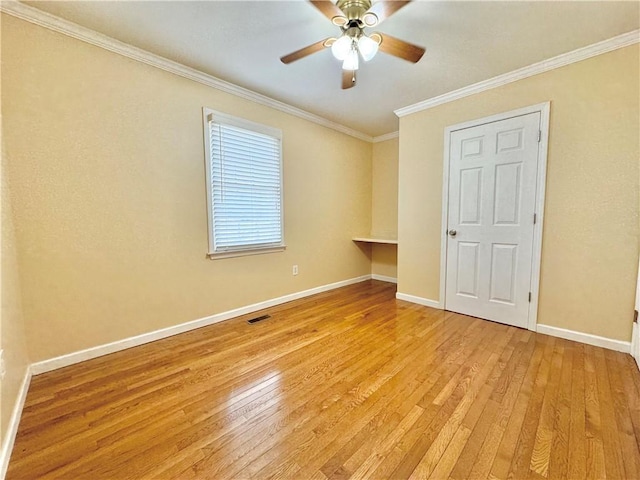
[{"x": 230, "y": 120}]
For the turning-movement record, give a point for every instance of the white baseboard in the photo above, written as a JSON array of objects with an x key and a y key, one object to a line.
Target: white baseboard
[
  {"x": 595, "y": 340},
  {"x": 93, "y": 352},
  {"x": 383, "y": 278},
  {"x": 419, "y": 300},
  {"x": 14, "y": 421}
]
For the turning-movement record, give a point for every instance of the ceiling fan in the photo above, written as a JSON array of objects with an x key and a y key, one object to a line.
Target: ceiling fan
[{"x": 353, "y": 16}]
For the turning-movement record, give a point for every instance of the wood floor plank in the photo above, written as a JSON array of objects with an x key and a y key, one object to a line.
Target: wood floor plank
[
  {"x": 206, "y": 425},
  {"x": 436, "y": 369},
  {"x": 354, "y": 414},
  {"x": 630, "y": 445},
  {"x": 507, "y": 447},
  {"x": 577, "y": 426},
  {"x": 488, "y": 450},
  {"x": 593, "y": 424},
  {"x": 614, "y": 463},
  {"x": 449, "y": 457},
  {"x": 334, "y": 406},
  {"x": 428, "y": 354},
  {"x": 558, "y": 460},
  {"x": 631, "y": 384},
  {"x": 440, "y": 443},
  {"x": 363, "y": 469},
  {"x": 541, "y": 453},
  {"x": 419, "y": 442},
  {"x": 346, "y": 384},
  {"x": 403, "y": 460},
  {"x": 221, "y": 427}
]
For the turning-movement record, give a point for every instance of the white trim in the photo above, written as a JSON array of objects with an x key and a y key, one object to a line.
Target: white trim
[
  {"x": 635, "y": 332},
  {"x": 637, "y": 304},
  {"x": 541, "y": 180},
  {"x": 541, "y": 188},
  {"x": 243, "y": 253},
  {"x": 60, "y": 25},
  {"x": 518, "y": 112},
  {"x": 595, "y": 340},
  {"x": 383, "y": 278},
  {"x": 386, "y": 136},
  {"x": 94, "y": 352},
  {"x": 444, "y": 219},
  {"x": 635, "y": 343},
  {"x": 419, "y": 300},
  {"x": 620, "y": 41},
  {"x": 14, "y": 421}
]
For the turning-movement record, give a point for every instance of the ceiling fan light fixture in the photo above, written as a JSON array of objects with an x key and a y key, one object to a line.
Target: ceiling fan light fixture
[
  {"x": 351, "y": 61},
  {"x": 342, "y": 47},
  {"x": 370, "y": 19},
  {"x": 368, "y": 47},
  {"x": 353, "y": 17},
  {"x": 339, "y": 20}
]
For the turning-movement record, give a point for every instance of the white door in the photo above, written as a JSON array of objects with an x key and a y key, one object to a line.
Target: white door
[{"x": 492, "y": 197}]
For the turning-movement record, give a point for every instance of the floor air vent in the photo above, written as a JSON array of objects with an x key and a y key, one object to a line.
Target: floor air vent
[{"x": 258, "y": 319}]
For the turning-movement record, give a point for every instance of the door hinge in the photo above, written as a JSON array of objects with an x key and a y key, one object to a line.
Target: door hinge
[
  {"x": 539, "y": 136},
  {"x": 529, "y": 297},
  {"x": 535, "y": 218}
]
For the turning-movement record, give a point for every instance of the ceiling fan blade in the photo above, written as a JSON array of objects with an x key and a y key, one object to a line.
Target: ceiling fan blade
[
  {"x": 384, "y": 10},
  {"x": 399, "y": 48},
  {"x": 348, "y": 79},
  {"x": 303, "y": 52},
  {"x": 330, "y": 10}
]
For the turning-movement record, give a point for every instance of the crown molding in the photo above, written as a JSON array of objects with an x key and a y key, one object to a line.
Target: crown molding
[
  {"x": 60, "y": 25},
  {"x": 386, "y": 136},
  {"x": 620, "y": 41}
]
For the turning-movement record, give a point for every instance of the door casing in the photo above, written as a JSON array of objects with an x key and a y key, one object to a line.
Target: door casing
[{"x": 544, "y": 109}]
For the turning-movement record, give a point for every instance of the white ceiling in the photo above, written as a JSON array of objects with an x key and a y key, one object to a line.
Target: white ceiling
[{"x": 241, "y": 42}]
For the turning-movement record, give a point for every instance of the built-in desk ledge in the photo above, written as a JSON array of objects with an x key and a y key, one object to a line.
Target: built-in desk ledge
[{"x": 371, "y": 239}]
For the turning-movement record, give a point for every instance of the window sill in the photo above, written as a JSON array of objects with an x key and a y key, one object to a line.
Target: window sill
[{"x": 244, "y": 253}]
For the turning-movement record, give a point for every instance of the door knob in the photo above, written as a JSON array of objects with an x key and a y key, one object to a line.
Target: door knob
[{"x": 452, "y": 233}]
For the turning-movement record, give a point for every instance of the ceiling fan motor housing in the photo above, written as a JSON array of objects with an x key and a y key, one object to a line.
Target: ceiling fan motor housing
[{"x": 354, "y": 10}]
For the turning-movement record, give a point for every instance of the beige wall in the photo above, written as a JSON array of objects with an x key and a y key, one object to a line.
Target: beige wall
[
  {"x": 590, "y": 243},
  {"x": 384, "y": 198},
  {"x": 107, "y": 172},
  {"x": 12, "y": 336},
  {"x": 384, "y": 206}
]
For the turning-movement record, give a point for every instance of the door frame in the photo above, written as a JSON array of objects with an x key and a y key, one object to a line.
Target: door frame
[
  {"x": 544, "y": 110},
  {"x": 635, "y": 332}
]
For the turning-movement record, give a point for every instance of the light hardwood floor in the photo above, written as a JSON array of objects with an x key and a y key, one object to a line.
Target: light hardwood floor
[{"x": 347, "y": 384}]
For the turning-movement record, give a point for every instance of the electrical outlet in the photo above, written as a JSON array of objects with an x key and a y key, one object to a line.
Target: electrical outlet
[
  {"x": 295, "y": 269},
  {"x": 3, "y": 369}
]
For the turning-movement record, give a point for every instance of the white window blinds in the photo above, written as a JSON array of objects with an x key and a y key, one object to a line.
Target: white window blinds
[{"x": 245, "y": 185}]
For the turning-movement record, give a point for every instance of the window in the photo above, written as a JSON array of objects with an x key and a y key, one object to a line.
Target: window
[{"x": 244, "y": 186}]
